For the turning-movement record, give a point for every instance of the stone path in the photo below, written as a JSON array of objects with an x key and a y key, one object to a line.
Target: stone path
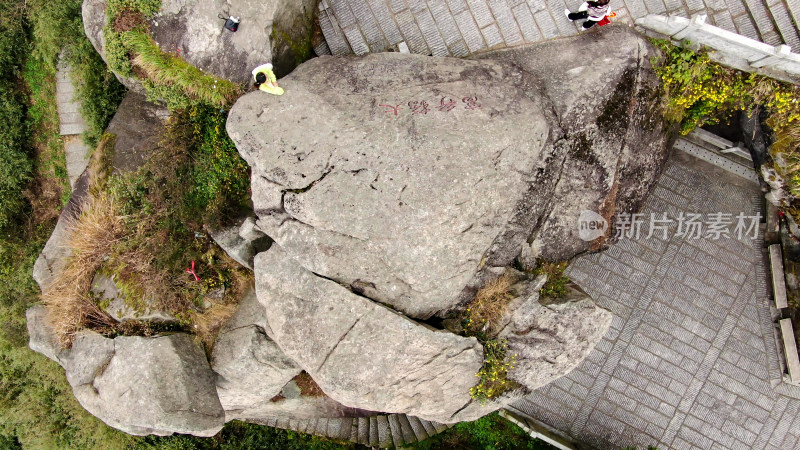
[
  {"x": 383, "y": 431},
  {"x": 690, "y": 360},
  {"x": 461, "y": 27},
  {"x": 72, "y": 125}
]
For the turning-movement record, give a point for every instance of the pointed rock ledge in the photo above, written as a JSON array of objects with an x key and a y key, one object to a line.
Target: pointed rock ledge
[{"x": 362, "y": 354}]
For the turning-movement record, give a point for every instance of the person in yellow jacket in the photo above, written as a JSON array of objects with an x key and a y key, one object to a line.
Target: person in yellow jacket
[{"x": 265, "y": 79}]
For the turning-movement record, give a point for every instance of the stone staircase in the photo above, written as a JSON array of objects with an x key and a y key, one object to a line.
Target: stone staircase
[
  {"x": 72, "y": 125},
  {"x": 461, "y": 27},
  {"x": 730, "y": 156},
  {"x": 382, "y": 431}
]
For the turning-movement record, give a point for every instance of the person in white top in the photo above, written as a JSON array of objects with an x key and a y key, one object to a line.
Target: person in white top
[{"x": 593, "y": 12}]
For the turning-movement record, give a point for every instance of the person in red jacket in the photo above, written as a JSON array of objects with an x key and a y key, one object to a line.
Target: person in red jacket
[{"x": 593, "y": 12}]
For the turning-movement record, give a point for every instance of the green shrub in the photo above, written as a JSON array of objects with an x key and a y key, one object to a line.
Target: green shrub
[
  {"x": 698, "y": 91},
  {"x": 490, "y": 432},
  {"x": 147, "y": 7},
  {"x": 15, "y": 165}
]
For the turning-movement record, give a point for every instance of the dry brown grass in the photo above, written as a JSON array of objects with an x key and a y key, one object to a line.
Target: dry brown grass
[
  {"x": 487, "y": 308},
  {"x": 100, "y": 167},
  {"x": 90, "y": 239},
  {"x": 308, "y": 387},
  {"x": 207, "y": 324}
]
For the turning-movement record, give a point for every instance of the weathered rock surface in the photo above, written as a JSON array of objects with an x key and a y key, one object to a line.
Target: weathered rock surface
[
  {"x": 114, "y": 302},
  {"x": 362, "y": 354},
  {"x": 242, "y": 241},
  {"x": 137, "y": 125},
  {"x": 408, "y": 203},
  {"x": 252, "y": 371},
  {"x": 550, "y": 338},
  {"x": 277, "y": 31},
  {"x": 609, "y": 111},
  {"x": 139, "y": 385},
  {"x": 251, "y": 368}
]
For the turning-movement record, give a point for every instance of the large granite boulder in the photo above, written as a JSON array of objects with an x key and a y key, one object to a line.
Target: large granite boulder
[
  {"x": 406, "y": 177},
  {"x": 277, "y": 31},
  {"x": 363, "y": 354},
  {"x": 139, "y": 385}
]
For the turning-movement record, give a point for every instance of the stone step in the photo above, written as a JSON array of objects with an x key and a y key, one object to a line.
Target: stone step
[
  {"x": 335, "y": 38},
  {"x": 763, "y": 20},
  {"x": 440, "y": 427},
  {"x": 786, "y": 28},
  {"x": 716, "y": 159},
  {"x": 340, "y": 428},
  {"x": 373, "y": 431},
  {"x": 397, "y": 434},
  {"x": 420, "y": 433},
  {"x": 384, "y": 432},
  {"x": 429, "y": 428},
  {"x": 405, "y": 428},
  {"x": 363, "y": 430},
  {"x": 353, "y": 431},
  {"x": 69, "y": 129}
]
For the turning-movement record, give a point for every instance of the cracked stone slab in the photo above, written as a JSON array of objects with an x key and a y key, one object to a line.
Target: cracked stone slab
[{"x": 363, "y": 354}]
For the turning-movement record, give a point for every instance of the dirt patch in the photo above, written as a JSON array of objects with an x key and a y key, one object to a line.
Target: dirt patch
[
  {"x": 308, "y": 387},
  {"x": 128, "y": 20}
]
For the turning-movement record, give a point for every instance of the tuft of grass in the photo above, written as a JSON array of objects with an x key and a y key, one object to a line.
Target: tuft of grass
[
  {"x": 488, "y": 307},
  {"x": 91, "y": 238},
  {"x": 480, "y": 319},
  {"x": 206, "y": 325},
  {"x": 556, "y": 285},
  {"x": 493, "y": 374},
  {"x": 164, "y": 69},
  {"x": 100, "y": 167}
]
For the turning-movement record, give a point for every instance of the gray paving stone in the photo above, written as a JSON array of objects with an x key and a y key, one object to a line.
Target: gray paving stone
[
  {"x": 431, "y": 33},
  {"x": 480, "y": 10},
  {"x": 445, "y": 21},
  {"x": 546, "y": 24},
  {"x": 411, "y": 33},
  {"x": 506, "y": 21},
  {"x": 397, "y": 5},
  {"x": 369, "y": 27},
  {"x": 356, "y": 39},
  {"x": 459, "y": 49},
  {"x": 786, "y": 27},
  {"x": 492, "y": 35},
  {"x": 386, "y": 21},
  {"x": 470, "y": 31},
  {"x": 758, "y": 12},
  {"x": 344, "y": 14}
]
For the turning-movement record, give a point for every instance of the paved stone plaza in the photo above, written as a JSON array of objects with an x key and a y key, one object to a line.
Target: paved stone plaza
[
  {"x": 690, "y": 360},
  {"x": 462, "y": 27}
]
